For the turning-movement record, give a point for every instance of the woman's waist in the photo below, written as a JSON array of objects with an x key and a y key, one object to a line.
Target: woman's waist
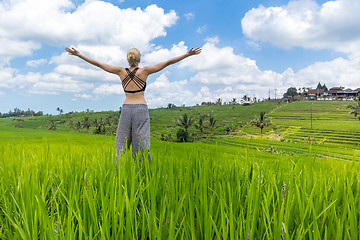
[{"x": 134, "y": 98}]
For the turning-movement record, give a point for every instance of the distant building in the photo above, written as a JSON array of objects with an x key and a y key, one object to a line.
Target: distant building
[
  {"x": 341, "y": 94},
  {"x": 315, "y": 93},
  {"x": 335, "y": 93}
]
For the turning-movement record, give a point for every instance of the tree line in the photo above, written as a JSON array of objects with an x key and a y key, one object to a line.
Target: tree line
[
  {"x": 21, "y": 113},
  {"x": 106, "y": 126},
  {"x": 207, "y": 121}
]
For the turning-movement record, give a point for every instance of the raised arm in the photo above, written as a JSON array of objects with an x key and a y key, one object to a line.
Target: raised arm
[
  {"x": 104, "y": 66},
  {"x": 160, "y": 66}
]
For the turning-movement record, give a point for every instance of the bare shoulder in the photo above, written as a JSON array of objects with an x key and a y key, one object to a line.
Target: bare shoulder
[
  {"x": 146, "y": 69},
  {"x": 121, "y": 72},
  {"x": 152, "y": 69}
]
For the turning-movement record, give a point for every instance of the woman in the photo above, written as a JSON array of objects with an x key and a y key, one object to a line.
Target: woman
[{"x": 134, "y": 123}]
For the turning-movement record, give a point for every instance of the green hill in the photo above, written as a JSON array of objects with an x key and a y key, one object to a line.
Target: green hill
[
  {"x": 233, "y": 117},
  {"x": 328, "y": 121},
  {"x": 162, "y": 119},
  {"x": 331, "y": 121}
]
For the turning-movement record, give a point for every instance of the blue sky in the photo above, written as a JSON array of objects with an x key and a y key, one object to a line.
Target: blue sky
[{"x": 250, "y": 47}]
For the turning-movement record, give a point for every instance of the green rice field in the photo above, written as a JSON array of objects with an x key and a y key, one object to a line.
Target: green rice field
[
  {"x": 331, "y": 121},
  {"x": 66, "y": 185}
]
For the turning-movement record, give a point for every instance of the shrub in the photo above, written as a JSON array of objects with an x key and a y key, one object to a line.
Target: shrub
[{"x": 182, "y": 135}]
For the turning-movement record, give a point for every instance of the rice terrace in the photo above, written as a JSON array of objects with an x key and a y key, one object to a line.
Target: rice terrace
[{"x": 300, "y": 181}]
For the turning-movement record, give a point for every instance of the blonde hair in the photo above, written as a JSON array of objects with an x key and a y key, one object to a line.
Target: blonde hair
[{"x": 133, "y": 57}]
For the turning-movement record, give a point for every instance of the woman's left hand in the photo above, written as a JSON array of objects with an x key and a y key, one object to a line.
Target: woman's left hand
[{"x": 72, "y": 51}]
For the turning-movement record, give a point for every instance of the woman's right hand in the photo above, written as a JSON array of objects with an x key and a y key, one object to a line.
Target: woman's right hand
[{"x": 72, "y": 51}]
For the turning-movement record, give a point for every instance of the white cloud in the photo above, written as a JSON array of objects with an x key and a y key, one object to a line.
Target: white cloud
[
  {"x": 53, "y": 83},
  {"x": 306, "y": 24},
  {"x": 214, "y": 39},
  {"x": 225, "y": 94},
  {"x": 338, "y": 72},
  {"x": 6, "y": 77},
  {"x": 97, "y": 29},
  {"x": 15, "y": 48},
  {"x": 201, "y": 29},
  {"x": 85, "y": 96},
  {"x": 108, "y": 89},
  {"x": 221, "y": 66},
  {"x": 164, "y": 54},
  {"x": 36, "y": 63},
  {"x": 189, "y": 16},
  {"x": 37, "y": 83},
  {"x": 162, "y": 91},
  {"x": 92, "y": 23},
  {"x": 86, "y": 74},
  {"x": 216, "y": 72}
]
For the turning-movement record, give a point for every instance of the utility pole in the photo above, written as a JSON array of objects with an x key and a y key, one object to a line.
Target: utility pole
[{"x": 311, "y": 115}]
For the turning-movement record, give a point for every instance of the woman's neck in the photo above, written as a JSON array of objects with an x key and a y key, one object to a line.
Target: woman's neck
[{"x": 133, "y": 67}]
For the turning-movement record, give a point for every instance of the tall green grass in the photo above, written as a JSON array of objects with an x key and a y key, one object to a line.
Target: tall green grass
[{"x": 56, "y": 189}]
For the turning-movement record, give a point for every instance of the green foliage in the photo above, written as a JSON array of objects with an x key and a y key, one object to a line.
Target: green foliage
[
  {"x": 86, "y": 123},
  {"x": 185, "y": 121},
  {"x": 218, "y": 101},
  {"x": 229, "y": 128},
  {"x": 212, "y": 123},
  {"x": 19, "y": 113},
  {"x": 201, "y": 125},
  {"x": 291, "y": 92},
  {"x": 319, "y": 86},
  {"x": 59, "y": 110},
  {"x": 52, "y": 126},
  {"x": 171, "y": 106},
  {"x": 355, "y": 108},
  {"x": 182, "y": 135},
  {"x": 261, "y": 122},
  {"x": 236, "y": 115},
  {"x": 233, "y": 101},
  {"x": 61, "y": 185}
]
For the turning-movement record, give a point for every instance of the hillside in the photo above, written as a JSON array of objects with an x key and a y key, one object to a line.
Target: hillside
[
  {"x": 231, "y": 117},
  {"x": 331, "y": 121},
  {"x": 162, "y": 119}
]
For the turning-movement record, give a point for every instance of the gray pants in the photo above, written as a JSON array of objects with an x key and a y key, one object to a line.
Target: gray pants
[{"x": 133, "y": 127}]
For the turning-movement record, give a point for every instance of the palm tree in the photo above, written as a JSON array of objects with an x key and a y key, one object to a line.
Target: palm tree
[
  {"x": 185, "y": 122},
  {"x": 59, "y": 110},
  {"x": 87, "y": 124},
  {"x": 218, "y": 101},
  {"x": 71, "y": 124},
  {"x": 200, "y": 125},
  {"x": 212, "y": 123},
  {"x": 78, "y": 125},
  {"x": 355, "y": 108},
  {"x": 233, "y": 101},
  {"x": 261, "y": 122}
]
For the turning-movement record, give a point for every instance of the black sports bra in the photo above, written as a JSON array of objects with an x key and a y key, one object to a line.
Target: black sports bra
[{"x": 135, "y": 79}]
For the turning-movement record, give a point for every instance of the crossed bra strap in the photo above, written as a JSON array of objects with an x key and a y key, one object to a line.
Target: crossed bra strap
[{"x": 135, "y": 79}]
